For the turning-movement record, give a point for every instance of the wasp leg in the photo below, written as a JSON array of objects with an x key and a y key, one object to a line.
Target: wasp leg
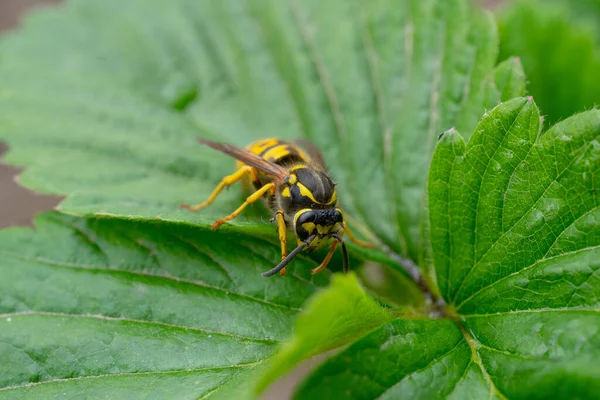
[
  {"x": 282, "y": 231},
  {"x": 249, "y": 200},
  {"x": 355, "y": 240},
  {"x": 326, "y": 260},
  {"x": 227, "y": 181}
]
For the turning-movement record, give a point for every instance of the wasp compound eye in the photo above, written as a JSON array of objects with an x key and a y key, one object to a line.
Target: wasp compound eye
[{"x": 305, "y": 223}]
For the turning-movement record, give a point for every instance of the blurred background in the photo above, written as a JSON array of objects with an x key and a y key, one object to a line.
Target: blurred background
[{"x": 19, "y": 205}]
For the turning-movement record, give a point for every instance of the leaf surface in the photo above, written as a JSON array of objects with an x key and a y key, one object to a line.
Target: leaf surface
[
  {"x": 117, "y": 307},
  {"x": 124, "y": 95},
  {"x": 515, "y": 209},
  {"x": 418, "y": 359}
]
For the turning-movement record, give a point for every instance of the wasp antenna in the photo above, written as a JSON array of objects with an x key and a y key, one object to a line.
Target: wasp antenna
[
  {"x": 344, "y": 252},
  {"x": 289, "y": 258}
]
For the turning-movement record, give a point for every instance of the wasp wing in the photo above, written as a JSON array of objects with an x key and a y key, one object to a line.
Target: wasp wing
[
  {"x": 316, "y": 158},
  {"x": 249, "y": 158}
]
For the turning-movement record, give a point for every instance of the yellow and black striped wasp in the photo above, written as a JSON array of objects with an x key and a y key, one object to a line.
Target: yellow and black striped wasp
[{"x": 297, "y": 188}]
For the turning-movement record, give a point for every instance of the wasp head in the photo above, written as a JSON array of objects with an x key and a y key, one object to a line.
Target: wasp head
[{"x": 323, "y": 223}]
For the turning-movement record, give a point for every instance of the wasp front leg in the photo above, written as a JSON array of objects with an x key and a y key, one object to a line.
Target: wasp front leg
[
  {"x": 355, "y": 240},
  {"x": 282, "y": 231},
  {"x": 269, "y": 187},
  {"x": 225, "y": 182},
  {"x": 326, "y": 260}
]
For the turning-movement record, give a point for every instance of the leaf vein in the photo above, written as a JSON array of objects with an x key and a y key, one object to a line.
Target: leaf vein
[
  {"x": 475, "y": 356},
  {"x": 165, "y": 277},
  {"x": 480, "y": 183},
  {"x": 568, "y": 226},
  {"x": 555, "y": 180},
  {"x": 525, "y": 269},
  {"x": 200, "y": 250},
  {"x": 538, "y": 310},
  {"x": 136, "y": 321},
  {"x": 102, "y": 376},
  {"x": 429, "y": 364}
]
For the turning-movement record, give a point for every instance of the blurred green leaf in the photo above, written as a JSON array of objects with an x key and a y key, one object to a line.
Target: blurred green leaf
[
  {"x": 583, "y": 10},
  {"x": 558, "y": 42},
  {"x": 506, "y": 83},
  {"x": 333, "y": 318}
]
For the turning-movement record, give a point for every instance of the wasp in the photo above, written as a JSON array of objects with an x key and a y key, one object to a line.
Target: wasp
[{"x": 298, "y": 189}]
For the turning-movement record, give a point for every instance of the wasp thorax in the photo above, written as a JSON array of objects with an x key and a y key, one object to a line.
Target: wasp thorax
[{"x": 307, "y": 188}]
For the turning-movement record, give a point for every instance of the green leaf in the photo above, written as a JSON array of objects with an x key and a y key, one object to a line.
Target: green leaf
[
  {"x": 536, "y": 355},
  {"x": 332, "y": 318},
  {"x": 121, "y": 308},
  {"x": 143, "y": 302},
  {"x": 540, "y": 354},
  {"x": 104, "y": 107},
  {"x": 515, "y": 208},
  {"x": 558, "y": 42},
  {"x": 467, "y": 206},
  {"x": 587, "y": 10},
  {"x": 420, "y": 359},
  {"x": 506, "y": 83},
  {"x": 515, "y": 241}
]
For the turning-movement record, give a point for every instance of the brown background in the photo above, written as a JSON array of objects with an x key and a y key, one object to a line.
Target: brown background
[{"x": 18, "y": 205}]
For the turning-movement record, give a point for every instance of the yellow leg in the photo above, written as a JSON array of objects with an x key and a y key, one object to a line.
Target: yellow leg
[
  {"x": 326, "y": 260},
  {"x": 355, "y": 240},
  {"x": 249, "y": 200},
  {"x": 227, "y": 181},
  {"x": 282, "y": 230}
]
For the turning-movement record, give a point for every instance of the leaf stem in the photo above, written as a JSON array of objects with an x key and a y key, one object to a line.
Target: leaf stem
[{"x": 437, "y": 305}]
